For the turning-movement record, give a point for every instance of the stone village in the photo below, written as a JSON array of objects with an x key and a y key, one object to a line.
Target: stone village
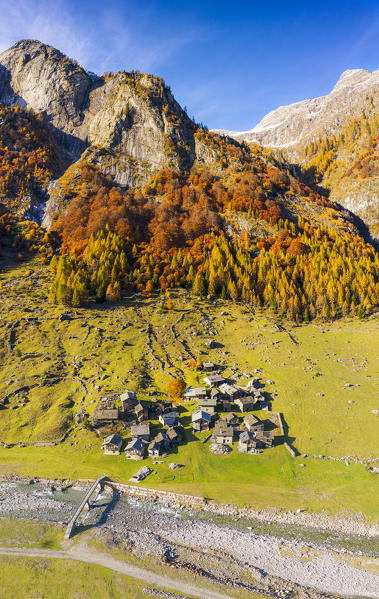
[{"x": 222, "y": 410}]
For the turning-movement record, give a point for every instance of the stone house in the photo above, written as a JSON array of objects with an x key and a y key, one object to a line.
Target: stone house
[
  {"x": 245, "y": 404},
  {"x": 141, "y": 431},
  {"x": 102, "y": 417},
  {"x": 179, "y": 430},
  {"x": 225, "y": 405},
  {"x": 214, "y": 380},
  {"x": 163, "y": 406},
  {"x": 112, "y": 445},
  {"x": 135, "y": 449},
  {"x": 216, "y": 393},
  {"x": 194, "y": 394},
  {"x": 141, "y": 412},
  {"x": 223, "y": 433},
  {"x": 173, "y": 436},
  {"x": 208, "y": 404},
  {"x": 253, "y": 423},
  {"x": 201, "y": 421},
  {"x": 159, "y": 446},
  {"x": 247, "y": 443},
  {"x": 128, "y": 400},
  {"x": 264, "y": 438},
  {"x": 231, "y": 419},
  {"x": 169, "y": 418},
  {"x": 231, "y": 391},
  {"x": 208, "y": 367}
]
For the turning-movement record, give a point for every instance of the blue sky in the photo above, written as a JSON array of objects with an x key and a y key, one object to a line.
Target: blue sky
[{"x": 228, "y": 62}]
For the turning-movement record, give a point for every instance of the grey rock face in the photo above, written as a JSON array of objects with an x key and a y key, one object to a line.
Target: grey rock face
[
  {"x": 129, "y": 124},
  {"x": 126, "y": 112},
  {"x": 42, "y": 78}
]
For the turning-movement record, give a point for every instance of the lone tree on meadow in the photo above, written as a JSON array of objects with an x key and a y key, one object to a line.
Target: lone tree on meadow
[{"x": 176, "y": 387}]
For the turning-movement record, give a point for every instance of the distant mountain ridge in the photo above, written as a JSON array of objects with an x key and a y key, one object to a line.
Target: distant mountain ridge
[
  {"x": 302, "y": 122},
  {"x": 313, "y": 134}
]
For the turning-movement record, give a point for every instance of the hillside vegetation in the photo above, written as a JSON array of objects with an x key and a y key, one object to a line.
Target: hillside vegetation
[
  {"x": 54, "y": 363},
  {"x": 243, "y": 230}
]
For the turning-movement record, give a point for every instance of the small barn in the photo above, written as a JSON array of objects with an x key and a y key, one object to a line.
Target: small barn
[
  {"x": 208, "y": 366},
  {"x": 159, "y": 446},
  {"x": 214, "y": 380},
  {"x": 230, "y": 391},
  {"x": 128, "y": 400},
  {"x": 247, "y": 443},
  {"x": 253, "y": 423},
  {"x": 223, "y": 433},
  {"x": 231, "y": 419},
  {"x": 103, "y": 417},
  {"x": 141, "y": 431},
  {"x": 208, "y": 404},
  {"x": 194, "y": 394},
  {"x": 245, "y": 404},
  {"x": 201, "y": 421},
  {"x": 169, "y": 418},
  {"x": 264, "y": 438},
  {"x": 141, "y": 412},
  {"x": 112, "y": 445},
  {"x": 135, "y": 449}
]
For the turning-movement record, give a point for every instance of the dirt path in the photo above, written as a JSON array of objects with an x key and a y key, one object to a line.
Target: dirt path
[{"x": 100, "y": 559}]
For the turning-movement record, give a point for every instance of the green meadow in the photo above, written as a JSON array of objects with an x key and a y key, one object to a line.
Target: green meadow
[
  {"x": 38, "y": 578},
  {"x": 322, "y": 378}
]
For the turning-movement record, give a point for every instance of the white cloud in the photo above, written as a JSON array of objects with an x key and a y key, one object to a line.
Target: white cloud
[{"x": 100, "y": 40}]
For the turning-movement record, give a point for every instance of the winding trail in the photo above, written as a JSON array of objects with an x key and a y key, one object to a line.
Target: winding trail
[{"x": 90, "y": 556}]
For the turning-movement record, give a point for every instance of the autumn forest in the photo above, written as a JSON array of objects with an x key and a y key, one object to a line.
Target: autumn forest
[{"x": 242, "y": 229}]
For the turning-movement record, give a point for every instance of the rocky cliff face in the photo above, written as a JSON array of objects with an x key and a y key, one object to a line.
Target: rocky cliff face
[
  {"x": 130, "y": 116},
  {"x": 128, "y": 124}
]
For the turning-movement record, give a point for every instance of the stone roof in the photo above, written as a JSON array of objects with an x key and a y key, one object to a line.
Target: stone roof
[
  {"x": 223, "y": 429},
  {"x": 140, "y": 429},
  {"x": 214, "y": 378},
  {"x": 195, "y": 392},
  {"x": 230, "y": 416},
  {"x": 228, "y": 389},
  {"x": 128, "y": 395},
  {"x": 106, "y": 414},
  {"x": 246, "y": 400},
  {"x": 200, "y": 415},
  {"x": 250, "y": 420},
  {"x": 209, "y": 402},
  {"x": 115, "y": 440},
  {"x": 136, "y": 444}
]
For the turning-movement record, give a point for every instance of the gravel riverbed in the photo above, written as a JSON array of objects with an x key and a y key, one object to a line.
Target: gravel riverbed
[{"x": 153, "y": 529}]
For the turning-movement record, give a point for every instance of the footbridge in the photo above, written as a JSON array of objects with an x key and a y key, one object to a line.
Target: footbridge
[{"x": 96, "y": 487}]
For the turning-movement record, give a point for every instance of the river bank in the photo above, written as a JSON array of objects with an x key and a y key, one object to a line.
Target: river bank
[
  {"x": 151, "y": 528},
  {"x": 347, "y": 523}
]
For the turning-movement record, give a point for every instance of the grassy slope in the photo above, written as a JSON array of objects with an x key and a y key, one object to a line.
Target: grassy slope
[
  {"x": 301, "y": 362},
  {"x": 39, "y": 578},
  {"x": 29, "y": 534}
]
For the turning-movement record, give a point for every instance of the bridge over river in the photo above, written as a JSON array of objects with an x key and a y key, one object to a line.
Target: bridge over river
[{"x": 96, "y": 487}]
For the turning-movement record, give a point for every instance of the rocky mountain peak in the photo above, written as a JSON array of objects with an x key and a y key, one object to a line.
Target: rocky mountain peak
[
  {"x": 355, "y": 77},
  {"x": 130, "y": 113},
  {"x": 305, "y": 121}
]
